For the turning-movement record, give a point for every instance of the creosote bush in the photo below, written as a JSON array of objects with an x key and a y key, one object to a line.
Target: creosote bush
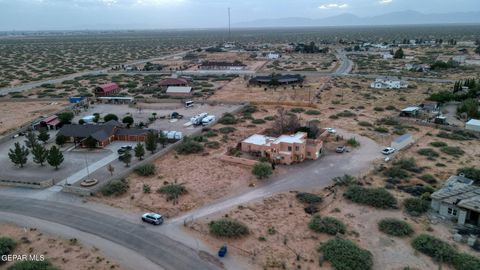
[
  {"x": 172, "y": 191},
  {"x": 344, "y": 254},
  {"x": 327, "y": 225},
  {"x": 395, "y": 227},
  {"x": 189, "y": 146},
  {"x": 115, "y": 188},
  {"x": 309, "y": 198},
  {"x": 226, "y": 227},
  {"x": 145, "y": 170},
  {"x": 376, "y": 197},
  {"x": 416, "y": 206}
]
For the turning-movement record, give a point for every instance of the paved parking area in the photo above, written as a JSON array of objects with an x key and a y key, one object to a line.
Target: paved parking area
[
  {"x": 32, "y": 172},
  {"x": 143, "y": 111}
]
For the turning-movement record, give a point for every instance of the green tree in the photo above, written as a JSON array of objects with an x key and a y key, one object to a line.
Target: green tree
[
  {"x": 151, "y": 142},
  {"x": 90, "y": 142},
  {"x": 399, "y": 54},
  {"x": 43, "y": 135},
  {"x": 31, "y": 139},
  {"x": 128, "y": 120},
  {"x": 470, "y": 107},
  {"x": 162, "y": 139},
  {"x": 110, "y": 117},
  {"x": 262, "y": 170},
  {"x": 55, "y": 157},
  {"x": 60, "y": 140},
  {"x": 19, "y": 154},
  {"x": 65, "y": 117},
  {"x": 40, "y": 154},
  {"x": 7, "y": 245},
  {"x": 126, "y": 158},
  {"x": 139, "y": 151}
]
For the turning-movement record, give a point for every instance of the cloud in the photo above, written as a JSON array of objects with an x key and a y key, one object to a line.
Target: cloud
[
  {"x": 330, "y": 6},
  {"x": 385, "y": 2}
]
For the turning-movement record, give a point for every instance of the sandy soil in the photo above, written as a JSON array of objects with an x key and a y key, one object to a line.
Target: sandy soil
[
  {"x": 286, "y": 215},
  {"x": 62, "y": 253},
  {"x": 16, "y": 114},
  {"x": 205, "y": 177}
]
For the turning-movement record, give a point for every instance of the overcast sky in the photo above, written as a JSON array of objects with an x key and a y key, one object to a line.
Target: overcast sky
[{"x": 133, "y": 14}]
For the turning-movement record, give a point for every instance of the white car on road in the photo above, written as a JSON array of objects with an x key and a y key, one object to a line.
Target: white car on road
[
  {"x": 331, "y": 130},
  {"x": 388, "y": 150}
]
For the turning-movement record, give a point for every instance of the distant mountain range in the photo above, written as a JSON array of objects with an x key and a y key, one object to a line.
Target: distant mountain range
[{"x": 394, "y": 18}]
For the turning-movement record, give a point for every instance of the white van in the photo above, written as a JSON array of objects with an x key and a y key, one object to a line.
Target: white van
[{"x": 208, "y": 120}]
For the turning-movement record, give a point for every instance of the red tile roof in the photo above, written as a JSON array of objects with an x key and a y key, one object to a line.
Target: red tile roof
[
  {"x": 107, "y": 88},
  {"x": 50, "y": 119}
]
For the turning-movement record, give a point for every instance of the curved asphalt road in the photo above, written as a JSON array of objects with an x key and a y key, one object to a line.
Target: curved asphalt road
[{"x": 163, "y": 251}]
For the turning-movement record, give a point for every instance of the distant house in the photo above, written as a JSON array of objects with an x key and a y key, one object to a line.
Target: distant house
[
  {"x": 387, "y": 56},
  {"x": 103, "y": 134},
  {"x": 286, "y": 149},
  {"x": 50, "y": 123},
  {"x": 402, "y": 141},
  {"x": 458, "y": 199},
  {"x": 173, "y": 82},
  {"x": 430, "y": 106},
  {"x": 388, "y": 83},
  {"x": 273, "y": 56},
  {"x": 179, "y": 91},
  {"x": 473, "y": 125},
  {"x": 280, "y": 79},
  {"x": 410, "y": 112},
  {"x": 106, "y": 90},
  {"x": 221, "y": 65}
]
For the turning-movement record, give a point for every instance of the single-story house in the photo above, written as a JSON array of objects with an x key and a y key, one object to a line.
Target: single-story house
[
  {"x": 105, "y": 90},
  {"x": 221, "y": 65},
  {"x": 458, "y": 199},
  {"x": 281, "y": 79},
  {"x": 473, "y": 125},
  {"x": 50, "y": 123},
  {"x": 273, "y": 56},
  {"x": 429, "y": 106},
  {"x": 388, "y": 83},
  {"x": 286, "y": 149},
  {"x": 410, "y": 111},
  {"x": 103, "y": 133},
  {"x": 173, "y": 82},
  {"x": 402, "y": 141},
  {"x": 179, "y": 91}
]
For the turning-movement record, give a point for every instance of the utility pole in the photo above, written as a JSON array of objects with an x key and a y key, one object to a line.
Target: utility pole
[{"x": 229, "y": 27}]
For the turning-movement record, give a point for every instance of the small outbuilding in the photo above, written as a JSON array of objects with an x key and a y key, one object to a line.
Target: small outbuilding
[
  {"x": 106, "y": 90},
  {"x": 473, "y": 125},
  {"x": 410, "y": 112},
  {"x": 179, "y": 91},
  {"x": 402, "y": 141},
  {"x": 173, "y": 82}
]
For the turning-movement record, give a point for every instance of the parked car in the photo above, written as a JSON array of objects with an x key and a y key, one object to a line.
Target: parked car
[
  {"x": 331, "y": 130},
  {"x": 341, "y": 149},
  {"x": 388, "y": 150},
  {"x": 124, "y": 149},
  {"x": 188, "y": 104},
  {"x": 154, "y": 218}
]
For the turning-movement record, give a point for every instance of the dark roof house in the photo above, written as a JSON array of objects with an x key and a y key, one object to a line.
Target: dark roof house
[
  {"x": 281, "y": 79},
  {"x": 173, "y": 82}
]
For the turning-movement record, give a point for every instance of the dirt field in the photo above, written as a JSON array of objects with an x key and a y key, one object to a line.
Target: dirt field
[
  {"x": 285, "y": 214},
  {"x": 205, "y": 177},
  {"x": 62, "y": 253},
  {"x": 15, "y": 114}
]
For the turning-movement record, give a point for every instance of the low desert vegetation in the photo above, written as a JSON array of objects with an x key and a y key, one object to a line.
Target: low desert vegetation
[
  {"x": 416, "y": 206},
  {"x": 172, "y": 191},
  {"x": 189, "y": 146},
  {"x": 115, "y": 188},
  {"x": 262, "y": 170},
  {"x": 327, "y": 225},
  {"x": 395, "y": 227},
  {"x": 376, "y": 197},
  {"x": 146, "y": 169},
  {"x": 7, "y": 245},
  {"x": 344, "y": 254},
  {"x": 32, "y": 265},
  {"x": 226, "y": 227},
  {"x": 308, "y": 198}
]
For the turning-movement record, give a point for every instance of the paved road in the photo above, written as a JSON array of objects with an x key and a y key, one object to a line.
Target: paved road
[
  {"x": 306, "y": 176},
  {"x": 158, "y": 248}
]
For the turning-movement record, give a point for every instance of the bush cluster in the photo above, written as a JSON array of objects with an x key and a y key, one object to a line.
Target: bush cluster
[
  {"x": 416, "y": 206},
  {"x": 227, "y": 228},
  {"x": 189, "y": 146},
  {"x": 146, "y": 169},
  {"x": 32, "y": 265},
  {"x": 434, "y": 247},
  {"x": 262, "y": 170},
  {"x": 172, "y": 191},
  {"x": 115, "y": 188},
  {"x": 346, "y": 255},
  {"x": 395, "y": 227},
  {"x": 470, "y": 172},
  {"x": 452, "y": 151},
  {"x": 227, "y": 119},
  {"x": 376, "y": 197},
  {"x": 7, "y": 245},
  {"x": 309, "y": 198},
  {"x": 327, "y": 225}
]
